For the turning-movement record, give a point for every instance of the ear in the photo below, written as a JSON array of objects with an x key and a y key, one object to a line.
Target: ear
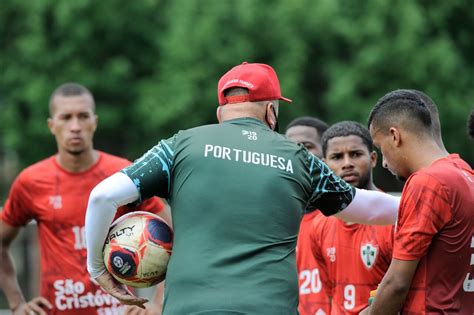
[
  {"x": 373, "y": 159},
  {"x": 395, "y": 136},
  {"x": 270, "y": 115},
  {"x": 50, "y": 124},
  {"x": 219, "y": 114},
  {"x": 96, "y": 122}
]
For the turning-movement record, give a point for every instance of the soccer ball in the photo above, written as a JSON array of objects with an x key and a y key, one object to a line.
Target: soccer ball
[{"x": 138, "y": 248}]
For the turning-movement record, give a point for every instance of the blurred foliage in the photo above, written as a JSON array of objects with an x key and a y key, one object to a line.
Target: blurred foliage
[{"x": 153, "y": 65}]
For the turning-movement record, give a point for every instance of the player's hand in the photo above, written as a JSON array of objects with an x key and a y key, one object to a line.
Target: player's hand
[
  {"x": 119, "y": 290},
  {"x": 365, "y": 311},
  {"x": 38, "y": 305},
  {"x": 151, "y": 309}
]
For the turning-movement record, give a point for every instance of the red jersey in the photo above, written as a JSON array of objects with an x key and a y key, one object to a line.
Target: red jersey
[
  {"x": 436, "y": 225},
  {"x": 312, "y": 296},
  {"x": 57, "y": 200},
  {"x": 353, "y": 259}
]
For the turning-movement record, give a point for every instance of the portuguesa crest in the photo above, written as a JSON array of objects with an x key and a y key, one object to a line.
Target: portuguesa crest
[{"x": 368, "y": 254}]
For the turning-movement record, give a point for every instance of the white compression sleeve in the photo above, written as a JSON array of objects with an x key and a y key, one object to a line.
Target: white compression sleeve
[
  {"x": 371, "y": 207},
  {"x": 113, "y": 192}
]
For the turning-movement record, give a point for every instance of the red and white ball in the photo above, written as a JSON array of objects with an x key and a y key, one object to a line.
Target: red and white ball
[{"x": 138, "y": 248}]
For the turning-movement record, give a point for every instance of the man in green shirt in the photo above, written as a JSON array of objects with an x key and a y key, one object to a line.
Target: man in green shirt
[{"x": 230, "y": 187}]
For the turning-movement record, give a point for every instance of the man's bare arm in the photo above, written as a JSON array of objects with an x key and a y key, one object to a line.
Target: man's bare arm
[
  {"x": 393, "y": 290},
  {"x": 9, "y": 280}
]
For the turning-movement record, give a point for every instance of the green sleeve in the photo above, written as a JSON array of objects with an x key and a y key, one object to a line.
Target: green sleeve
[
  {"x": 330, "y": 193},
  {"x": 151, "y": 173}
]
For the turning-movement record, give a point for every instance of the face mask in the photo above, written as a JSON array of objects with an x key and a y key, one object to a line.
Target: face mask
[{"x": 276, "y": 127}]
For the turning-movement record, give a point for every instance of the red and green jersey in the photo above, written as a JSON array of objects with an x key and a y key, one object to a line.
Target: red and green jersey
[
  {"x": 436, "y": 225},
  {"x": 353, "y": 259},
  {"x": 312, "y": 294},
  {"x": 57, "y": 200}
]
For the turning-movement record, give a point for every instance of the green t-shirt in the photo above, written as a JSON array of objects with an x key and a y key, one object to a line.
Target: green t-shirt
[{"x": 237, "y": 191}]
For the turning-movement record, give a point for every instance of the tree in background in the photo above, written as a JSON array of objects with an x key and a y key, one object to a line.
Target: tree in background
[{"x": 153, "y": 65}]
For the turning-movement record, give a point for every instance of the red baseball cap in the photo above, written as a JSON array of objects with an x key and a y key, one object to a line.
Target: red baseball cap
[{"x": 259, "y": 79}]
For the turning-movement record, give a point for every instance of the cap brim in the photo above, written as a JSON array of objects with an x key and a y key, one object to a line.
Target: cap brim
[{"x": 286, "y": 99}]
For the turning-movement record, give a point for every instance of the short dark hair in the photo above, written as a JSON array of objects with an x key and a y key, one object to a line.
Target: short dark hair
[
  {"x": 402, "y": 107},
  {"x": 470, "y": 125},
  {"x": 308, "y": 121},
  {"x": 69, "y": 89},
  {"x": 345, "y": 129},
  {"x": 435, "y": 123}
]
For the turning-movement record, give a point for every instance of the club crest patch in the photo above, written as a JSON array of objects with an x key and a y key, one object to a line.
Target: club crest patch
[
  {"x": 368, "y": 254},
  {"x": 331, "y": 253},
  {"x": 56, "y": 202}
]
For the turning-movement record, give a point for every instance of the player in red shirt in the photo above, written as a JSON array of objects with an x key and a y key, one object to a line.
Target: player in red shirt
[
  {"x": 312, "y": 296},
  {"x": 352, "y": 257},
  {"x": 432, "y": 267},
  {"x": 54, "y": 192}
]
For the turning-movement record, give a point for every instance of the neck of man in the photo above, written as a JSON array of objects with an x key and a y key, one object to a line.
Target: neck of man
[
  {"x": 371, "y": 185},
  {"x": 236, "y": 115},
  {"x": 76, "y": 163},
  {"x": 243, "y": 110},
  {"x": 423, "y": 153}
]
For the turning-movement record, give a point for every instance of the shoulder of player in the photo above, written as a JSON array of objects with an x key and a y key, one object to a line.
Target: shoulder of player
[
  {"x": 197, "y": 130},
  {"x": 384, "y": 228},
  {"x": 114, "y": 161},
  {"x": 182, "y": 136},
  {"x": 383, "y": 231},
  {"x": 37, "y": 170},
  {"x": 221, "y": 127},
  {"x": 321, "y": 223},
  {"x": 213, "y": 129},
  {"x": 444, "y": 171},
  {"x": 297, "y": 147},
  {"x": 426, "y": 178},
  {"x": 430, "y": 181},
  {"x": 424, "y": 186}
]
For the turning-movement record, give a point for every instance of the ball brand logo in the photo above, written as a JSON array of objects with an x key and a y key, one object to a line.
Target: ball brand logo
[
  {"x": 118, "y": 262},
  {"x": 124, "y": 269},
  {"x": 127, "y": 231},
  {"x": 151, "y": 274},
  {"x": 122, "y": 263}
]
